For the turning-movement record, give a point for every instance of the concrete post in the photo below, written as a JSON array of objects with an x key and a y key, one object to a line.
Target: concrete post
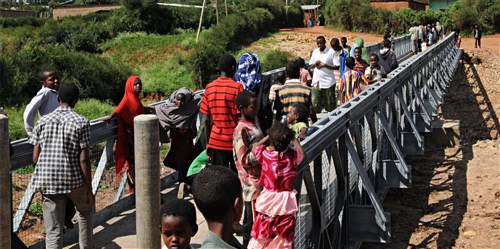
[
  {"x": 5, "y": 188},
  {"x": 147, "y": 181}
]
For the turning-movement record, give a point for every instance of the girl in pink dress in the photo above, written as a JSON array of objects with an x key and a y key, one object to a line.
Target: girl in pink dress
[{"x": 277, "y": 204}]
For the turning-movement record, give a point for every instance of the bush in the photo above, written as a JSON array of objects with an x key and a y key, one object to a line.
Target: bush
[
  {"x": 229, "y": 35},
  {"x": 166, "y": 77},
  {"x": 203, "y": 62},
  {"x": 89, "y": 108},
  {"x": 11, "y": 22},
  {"x": 188, "y": 18},
  {"x": 274, "y": 59},
  {"x": 16, "y": 125},
  {"x": 462, "y": 15},
  {"x": 99, "y": 78},
  {"x": 93, "y": 108},
  {"x": 295, "y": 16},
  {"x": 6, "y": 84}
]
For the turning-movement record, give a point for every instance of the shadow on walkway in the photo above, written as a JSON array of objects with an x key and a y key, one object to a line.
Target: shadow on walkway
[{"x": 429, "y": 214}]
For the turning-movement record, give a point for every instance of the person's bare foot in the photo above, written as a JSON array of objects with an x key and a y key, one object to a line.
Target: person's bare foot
[{"x": 180, "y": 192}]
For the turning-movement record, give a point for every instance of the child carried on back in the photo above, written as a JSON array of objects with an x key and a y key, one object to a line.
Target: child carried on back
[{"x": 277, "y": 204}]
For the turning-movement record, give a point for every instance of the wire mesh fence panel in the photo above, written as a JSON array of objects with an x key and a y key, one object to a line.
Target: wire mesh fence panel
[{"x": 303, "y": 225}]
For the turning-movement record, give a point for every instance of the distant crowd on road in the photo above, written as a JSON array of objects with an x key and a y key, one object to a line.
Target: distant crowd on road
[{"x": 242, "y": 161}]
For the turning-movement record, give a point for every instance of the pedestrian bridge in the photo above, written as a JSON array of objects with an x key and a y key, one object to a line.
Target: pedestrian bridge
[{"x": 354, "y": 155}]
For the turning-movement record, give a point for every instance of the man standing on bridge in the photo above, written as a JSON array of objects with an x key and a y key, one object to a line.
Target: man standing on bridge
[
  {"x": 61, "y": 154},
  {"x": 323, "y": 80},
  {"x": 219, "y": 107}
]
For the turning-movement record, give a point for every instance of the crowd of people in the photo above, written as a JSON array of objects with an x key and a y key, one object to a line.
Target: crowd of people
[
  {"x": 423, "y": 36},
  {"x": 252, "y": 128}
]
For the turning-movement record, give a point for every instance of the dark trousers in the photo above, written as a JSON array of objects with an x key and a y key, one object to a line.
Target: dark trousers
[
  {"x": 70, "y": 212},
  {"x": 222, "y": 158},
  {"x": 478, "y": 42},
  {"x": 248, "y": 217}
]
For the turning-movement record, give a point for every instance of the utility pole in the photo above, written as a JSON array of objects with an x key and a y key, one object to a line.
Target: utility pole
[
  {"x": 201, "y": 20},
  {"x": 225, "y": 6},
  {"x": 286, "y": 11},
  {"x": 216, "y": 12}
]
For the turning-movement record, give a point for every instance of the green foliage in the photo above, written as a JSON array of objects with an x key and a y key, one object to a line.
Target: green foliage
[
  {"x": 36, "y": 209},
  {"x": 166, "y": 77},
  {"x": 229, "y": 35},
  {"x": 93, "y": 108},
  {"x": 6, "y": 83},
  {"x": 12, "y": 39},
  {"x": 152, "y": 18},
  {"x": 462, "y": 15},
  {"x": 104, "y": 185},
  {"x": 160, "y": 59},
  {"x": 403, "y": 20},
  {"x": 274, "y": 59},
  {"x": 16, "y": 125},
  {"x": 428, "y": 16},
  {"x": 295, "y": 16},
  {"x": 89, "y": 108},
  {"x": 96, "y": 76},
  {"x": 188, "y": 18},
  {"x": 269, "y": 60},
  {"x": 10, "y": 22},
  {"x": 203, "y": 61},
  {"x": 134, "y": 4},
  {"x": 278, "y": 10},
  {"x": 25, "y": 170}
]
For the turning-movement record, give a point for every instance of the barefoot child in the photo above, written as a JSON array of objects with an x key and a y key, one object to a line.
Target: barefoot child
[
  {"x": 246, "y": 134},
  {"x": 297, "y": 120},
  {"x": 178, "y": 224},
  {"x": 277, "y": 204}
]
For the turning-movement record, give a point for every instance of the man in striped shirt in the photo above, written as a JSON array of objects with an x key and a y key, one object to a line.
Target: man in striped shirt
[
  {"x": 221, "y": 114},
  {"x": 293, "y": 92}
]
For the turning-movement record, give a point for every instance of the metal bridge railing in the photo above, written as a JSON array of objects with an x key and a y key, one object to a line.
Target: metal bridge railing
[
  {"x": 357, "y": 152},
  {"x": 327, "y": 205}
]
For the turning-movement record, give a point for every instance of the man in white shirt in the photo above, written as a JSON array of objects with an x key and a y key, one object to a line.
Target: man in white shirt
[
  {"x": 45, "y": 100},
  {"x": 323, "y": 81},
  {"x": 414, "y": 34}
]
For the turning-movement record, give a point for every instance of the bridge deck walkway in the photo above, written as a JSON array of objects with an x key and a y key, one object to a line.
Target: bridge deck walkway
[{"x": 120, "y": 231}]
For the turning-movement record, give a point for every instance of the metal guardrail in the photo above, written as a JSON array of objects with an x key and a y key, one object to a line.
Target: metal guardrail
[
  {"x": 357, "y": 152},
  {"x": 319, "y": 207}
]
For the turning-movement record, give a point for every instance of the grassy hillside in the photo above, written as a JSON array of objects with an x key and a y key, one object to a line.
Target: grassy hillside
[
  {"x": 89, "y": 108},
  {"x": 160, "y": 60}
]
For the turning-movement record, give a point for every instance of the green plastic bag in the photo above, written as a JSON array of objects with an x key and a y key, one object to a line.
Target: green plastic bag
[{"x": 199, "y": 163}]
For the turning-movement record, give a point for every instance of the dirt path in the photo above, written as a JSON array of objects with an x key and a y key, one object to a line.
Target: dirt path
[
  {"x": 301, "y": 41},
  {"x": 455, "y": 198}
]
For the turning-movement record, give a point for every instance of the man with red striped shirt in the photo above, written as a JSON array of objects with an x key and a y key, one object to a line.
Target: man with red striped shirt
[{"x": 221, "y": 114}]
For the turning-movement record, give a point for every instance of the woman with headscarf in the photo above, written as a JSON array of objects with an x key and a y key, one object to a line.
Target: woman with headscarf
[
  {"x": 249, "y": 72},
  {"x": 178, "y": 115},
  {"x": 129, "y": 107},
  {"x": 359, "y": 42}
]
